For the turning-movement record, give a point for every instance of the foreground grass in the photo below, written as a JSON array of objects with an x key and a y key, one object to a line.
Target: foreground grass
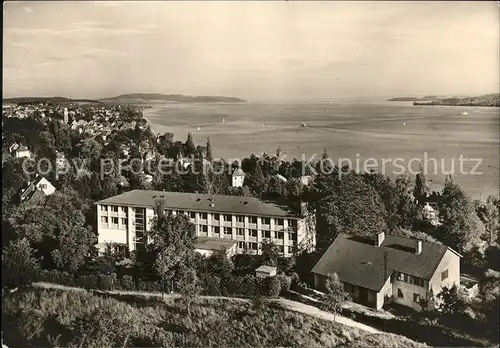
[{"x": 43, "y": 318}]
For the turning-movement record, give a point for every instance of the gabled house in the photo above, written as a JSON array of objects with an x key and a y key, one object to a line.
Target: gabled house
[
  {"x": 430, "y": 214},
  {"x": 19, "y": 151},
  {"x": 386, "y": 269},
  {"x": 36, "y": 188},
  {"x": 238, "y": 178}
]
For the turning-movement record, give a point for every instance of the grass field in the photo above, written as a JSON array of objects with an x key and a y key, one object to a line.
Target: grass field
[{"x": 39, "y": 317}]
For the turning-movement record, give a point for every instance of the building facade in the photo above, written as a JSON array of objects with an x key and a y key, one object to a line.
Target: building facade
[
  {"x": 124, "y": 219},
  {"x": 389, "y": 269}
]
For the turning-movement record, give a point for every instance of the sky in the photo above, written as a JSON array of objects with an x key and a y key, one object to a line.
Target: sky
[{"x": 252, "y": 50}]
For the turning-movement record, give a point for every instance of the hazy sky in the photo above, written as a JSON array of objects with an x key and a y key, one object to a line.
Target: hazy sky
[{"x": 253, "y": 50}]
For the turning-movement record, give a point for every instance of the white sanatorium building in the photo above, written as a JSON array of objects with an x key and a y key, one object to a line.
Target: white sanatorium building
[{"x": 125, "y": 218}]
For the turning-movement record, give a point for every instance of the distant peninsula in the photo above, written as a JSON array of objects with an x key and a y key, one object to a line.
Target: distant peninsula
[
  {"x": 492, "y": 100},
  {"x": 484, "y": 100},
  {"x": 403, "y": 99},
  {"x": 170, "y": 98},
  {"x": 55, "y": 100}
]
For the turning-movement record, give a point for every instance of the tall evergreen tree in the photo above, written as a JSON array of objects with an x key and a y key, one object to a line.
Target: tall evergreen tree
[
  {"x": 421, "y": 187},
  {"x": 190, "y": 146},
  {"x": 461, "y": 227},
  {"x": 209, "y": 150}
]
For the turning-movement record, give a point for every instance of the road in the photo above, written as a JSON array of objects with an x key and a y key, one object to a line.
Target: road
[{"x": 288, "y": 304}]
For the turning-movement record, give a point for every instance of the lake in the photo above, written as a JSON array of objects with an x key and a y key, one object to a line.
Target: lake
[{"x": 392, "y": 135}]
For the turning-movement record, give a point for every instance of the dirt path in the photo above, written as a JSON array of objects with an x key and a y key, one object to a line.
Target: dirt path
[{"x": 288, "y": 304}]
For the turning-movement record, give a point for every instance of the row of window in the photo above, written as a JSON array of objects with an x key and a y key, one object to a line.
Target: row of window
[
  {"x": 113, "y": 208},
  {"x": 239, "y": 219},
  {"x": 410, "y": 279},
  {"x": 257, "y": 246},
  {"x": 215, "y": 217},
  {"x": 113, "y": 220},
  {"x": 251, "y": 232}
]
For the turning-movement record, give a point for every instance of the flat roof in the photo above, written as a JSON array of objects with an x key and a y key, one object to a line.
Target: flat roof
[
  {"x": 267, "y": 269},
  {"x": 215, "y": 243},
  {"x": 200, "y": 202}
]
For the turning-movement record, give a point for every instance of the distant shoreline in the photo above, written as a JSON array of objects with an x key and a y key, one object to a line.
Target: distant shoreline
[{"x": 488, "y": 100}]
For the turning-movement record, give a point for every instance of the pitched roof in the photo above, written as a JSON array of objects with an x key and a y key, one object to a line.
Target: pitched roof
[
  {"x": 31, "y": 189},
  {"x": 358, "y": 261},
  {"x": 200, "y": 202},
  {"x": 238, "y": 172},
  {"x": 266, "y": 269}
]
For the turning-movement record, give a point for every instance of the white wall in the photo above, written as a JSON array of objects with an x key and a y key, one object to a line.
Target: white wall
[
  {"x": 238, "y": 181},
  {"x": 451, "y": 262},
  {"x": 408, "y": 290}
]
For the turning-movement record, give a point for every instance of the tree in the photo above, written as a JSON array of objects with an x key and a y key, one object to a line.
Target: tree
[
  {"x": 56, "y": 229},
  {"x": 270, "y": 254},
  {"x": 209, "y": 150},
  {"x": 421, "y": 187},
  {"x": 189, "y": 287},
  {"x": 190, "y": 146},
  {"x": 461, "y": 227},
  {"x": 258, "y": 181},
  {"x": 335, "y": 295},
  {"x": 450, "y": 301},
  {"x": 19, "y": 266},
  {"x": 218, "y": 264},
  {"x": 174, "y": 244},
  {"x": 347, "y": 205},
  {"x": 489, "y": 214}
]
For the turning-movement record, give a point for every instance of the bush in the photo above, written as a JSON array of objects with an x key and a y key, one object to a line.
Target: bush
[
  {"x": 89, "y": 281},
  {"x": 128, "y": 282},
  {"x": 285, "y": 283},
  {"x": 58, "y": 277},
  {"x": 107, "y": 281},
  {"x": 270, "y": 286},
  {"x": 144, "y": 285}
]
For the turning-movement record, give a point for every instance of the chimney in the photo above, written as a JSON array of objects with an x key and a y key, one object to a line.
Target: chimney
[
  {"x": 418, "y": 247},
  {"x": 379, "y": 239}
]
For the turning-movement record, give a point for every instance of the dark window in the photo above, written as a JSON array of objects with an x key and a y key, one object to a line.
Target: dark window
[
  {"x": 228, "y": 230},
  {"x": 444, "y": 275},
  {"x": 203, "y": 216},
  {"x": 253, "y": 246},
  {"x": 240, "y": 231},
  {"x": 124, "y": 221},
  {"x": 114, "y": 221},
  {"x": 253, "y": 233},
  {"x": 192, "y": 215},
  {"x": 400, "y": 293},
  {"x": 216, "y": 229},
  {"x": 416, "y": 298},
  {"x": 292, "y": 223},
  {"x": 267, "y": 234},
  {"x": 114, "y": 208},
  {"x": 204, "y": 228},
  {"x": 292, "y": 236},
  {"x": 104, "y": 208},
  {"x": 241, "y": 245},
  {"x": 281, "y": 235},
  {"x": 227, "y": 218},
  {"x": 266, "y": 221},
  {"x": 253, "y": 219},
  {"x": 216, "y": 217},
  {"x": 279, "y": 222},
  {"x": 240, "y": 218}
]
